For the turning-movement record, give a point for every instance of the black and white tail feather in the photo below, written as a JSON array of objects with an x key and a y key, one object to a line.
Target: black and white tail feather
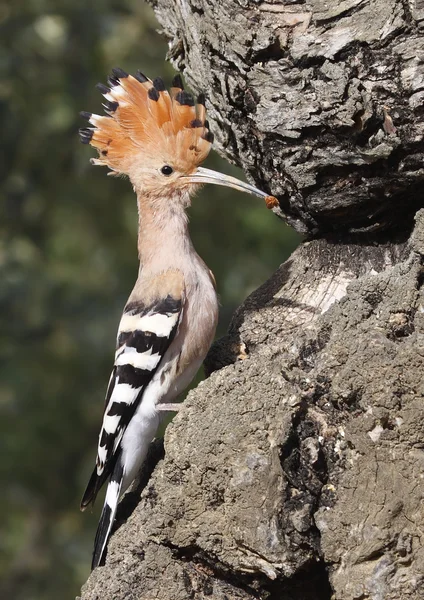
[
  {"x": 108, "y": 514},
  {"x": 145, "y": 333}
]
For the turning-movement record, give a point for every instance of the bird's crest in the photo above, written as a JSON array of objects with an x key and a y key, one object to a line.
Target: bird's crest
[{"x": 144, "y": 122}]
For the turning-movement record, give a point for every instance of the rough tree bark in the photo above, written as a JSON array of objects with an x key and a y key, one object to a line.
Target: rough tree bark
[{"x": 295, "y": 471}]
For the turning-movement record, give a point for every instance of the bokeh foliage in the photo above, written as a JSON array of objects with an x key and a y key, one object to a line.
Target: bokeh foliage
[{"x": 67, "y": 263}]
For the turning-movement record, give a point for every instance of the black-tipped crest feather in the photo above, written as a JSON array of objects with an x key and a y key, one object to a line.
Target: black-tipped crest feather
[
  {"x": 103, "y": 88},
  {"x": 141, "y": 78},
  {"x": 177, "y": 82},
  {"x": 110, "y": 106},
  {"x": 184, "y": 98},
  {"x": 85, "y": 115},
  {"x": 112, "y": 81},
  {"x": 86, "y": 134},
  {"x": 119, "y": 73},
  {"x": 159, "y": 84},
  {"x": 153, "y": 94},
  {"x": 209, "y": 137}
]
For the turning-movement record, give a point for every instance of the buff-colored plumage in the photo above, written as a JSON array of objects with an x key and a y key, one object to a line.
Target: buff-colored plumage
[
  {"x": 158, "y": 139},
  {"x": 146, "y": 126}
]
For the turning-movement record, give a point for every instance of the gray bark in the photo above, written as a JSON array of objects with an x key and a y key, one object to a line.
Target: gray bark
[
  {"x": 295, "y": 471},
  {"x": 320, "y": 101}
]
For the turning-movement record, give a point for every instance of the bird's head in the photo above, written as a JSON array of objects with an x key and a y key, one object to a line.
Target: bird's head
[{"x": 157, "y": 138}]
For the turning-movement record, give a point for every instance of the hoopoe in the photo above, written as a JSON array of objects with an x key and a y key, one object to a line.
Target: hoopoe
[{"x": 158, "y": 139}]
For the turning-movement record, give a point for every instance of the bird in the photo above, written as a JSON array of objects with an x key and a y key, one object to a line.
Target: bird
[{"x": 158, "y": 139}]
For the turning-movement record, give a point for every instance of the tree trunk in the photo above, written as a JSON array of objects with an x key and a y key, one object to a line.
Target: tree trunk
[{"x": 295, "y": 471}]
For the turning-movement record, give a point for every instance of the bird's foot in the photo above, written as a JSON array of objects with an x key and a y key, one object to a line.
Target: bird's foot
[{"x": 169, "y": 406}]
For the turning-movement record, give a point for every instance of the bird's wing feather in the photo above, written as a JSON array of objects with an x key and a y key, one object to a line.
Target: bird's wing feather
[{"x": 147, "y": 328}]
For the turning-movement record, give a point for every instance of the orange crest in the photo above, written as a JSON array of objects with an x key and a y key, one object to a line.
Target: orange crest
[{"x": 146, "y": 126}]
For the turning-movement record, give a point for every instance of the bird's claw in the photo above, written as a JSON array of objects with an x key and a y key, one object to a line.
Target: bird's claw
[{"x": 169, "y": 406}]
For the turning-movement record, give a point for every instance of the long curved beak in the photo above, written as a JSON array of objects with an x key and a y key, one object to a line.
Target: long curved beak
[{"x": 202, "y": 175}]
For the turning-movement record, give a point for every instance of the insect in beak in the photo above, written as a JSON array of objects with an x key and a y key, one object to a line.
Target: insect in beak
[{"x": 201, "y": 175}]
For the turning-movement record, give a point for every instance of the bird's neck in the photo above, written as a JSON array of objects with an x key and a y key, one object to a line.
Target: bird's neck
[{"x": 163, "y": 237}]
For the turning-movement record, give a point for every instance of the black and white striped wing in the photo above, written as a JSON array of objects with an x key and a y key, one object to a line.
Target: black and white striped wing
[{"x": 144, "y": 335}]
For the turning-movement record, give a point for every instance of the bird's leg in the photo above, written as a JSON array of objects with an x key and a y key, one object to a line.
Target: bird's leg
[{"x": 169, "y": 406}]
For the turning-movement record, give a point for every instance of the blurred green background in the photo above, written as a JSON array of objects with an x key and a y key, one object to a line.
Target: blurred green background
[{"x": 67, "y": 263}]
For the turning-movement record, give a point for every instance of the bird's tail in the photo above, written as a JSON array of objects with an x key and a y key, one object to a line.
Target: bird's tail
[
  {"x": 93, "y": 487},
  {"x": 108, "y": 514}
]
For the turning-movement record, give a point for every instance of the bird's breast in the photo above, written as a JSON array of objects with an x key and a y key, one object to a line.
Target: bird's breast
[{"x": 199, "y": 319}]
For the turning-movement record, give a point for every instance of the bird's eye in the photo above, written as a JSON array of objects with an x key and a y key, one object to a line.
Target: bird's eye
[{"x": 167, "y": 170}]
